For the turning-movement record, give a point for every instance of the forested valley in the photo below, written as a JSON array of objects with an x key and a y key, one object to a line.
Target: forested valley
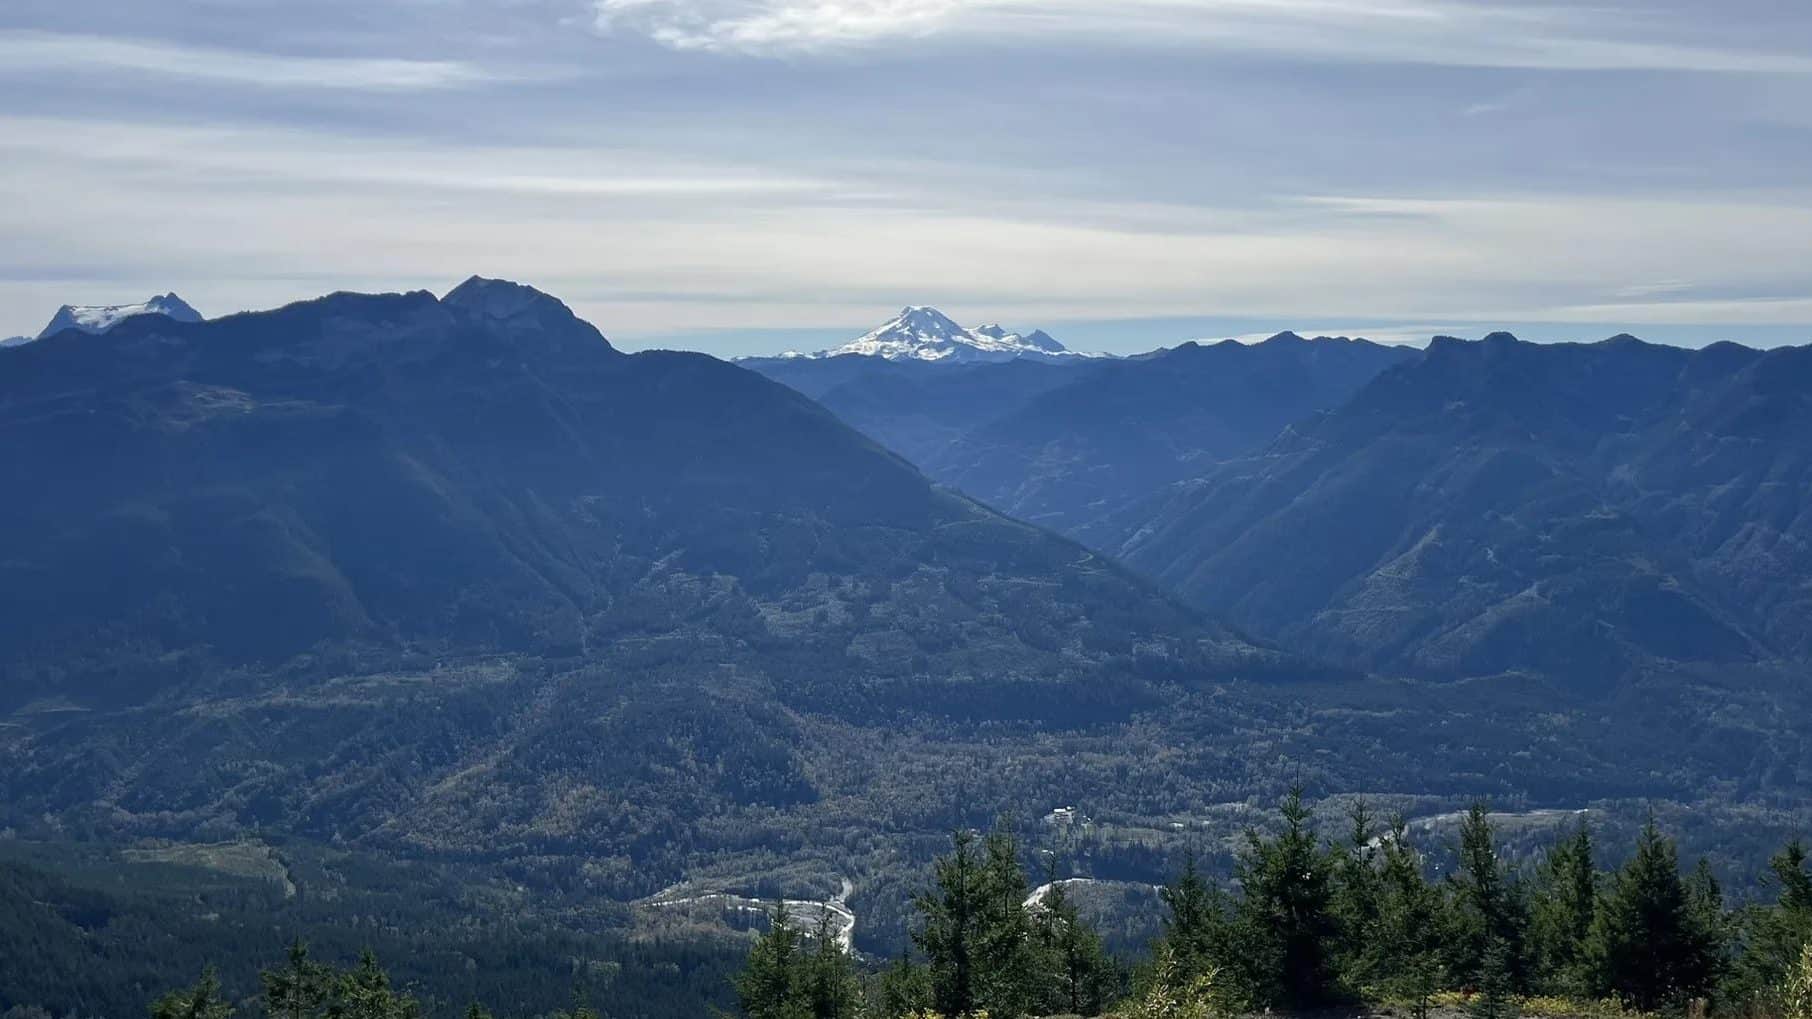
[
  {"x": 439, "y": 627},
  {"x": 1346, "y": 922}
]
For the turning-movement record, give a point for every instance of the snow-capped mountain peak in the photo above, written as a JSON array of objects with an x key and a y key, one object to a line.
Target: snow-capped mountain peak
[
  {"x": 98, "y": 318},
  {"x": 921, "y": 333}
]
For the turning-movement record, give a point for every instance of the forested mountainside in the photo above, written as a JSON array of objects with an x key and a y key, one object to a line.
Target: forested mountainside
[
  {"x": 1068, "y": 446},
  {"x": 920, "y": 409},
  {"x": 1374, "y": 917},
  {"x": 454, "y": 576},
  {"x": 618, "y": 644},
  {"x": 480, "y": 473},
  {"x": 1074, "y": 456},
  {"x": 1589, "y": 511}
]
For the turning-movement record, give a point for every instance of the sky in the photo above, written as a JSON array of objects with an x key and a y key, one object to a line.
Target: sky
[{"x": 747, "y": 176}]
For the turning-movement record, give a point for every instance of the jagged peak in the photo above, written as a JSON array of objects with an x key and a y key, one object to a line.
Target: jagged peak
[
  {"x": 98, "y": 318},
  {"x": 501, "y": 300},
  {"x": 921, "y": 332},
  {"x": 497, "y": 298}
]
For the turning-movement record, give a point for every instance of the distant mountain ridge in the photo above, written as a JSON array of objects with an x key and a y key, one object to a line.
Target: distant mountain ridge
[
  {"x": 452, "y": 581},
  {"x": 633, "y": 577},
  {"x": 1574, "y": 509},
  {"x": 922, "y": 333},
  {"x": 98, "y": 318},
  {"x": 1069, "y": 444}
]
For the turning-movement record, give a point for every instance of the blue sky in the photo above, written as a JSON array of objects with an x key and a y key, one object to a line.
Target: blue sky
[{"x": 744, "y": 176}]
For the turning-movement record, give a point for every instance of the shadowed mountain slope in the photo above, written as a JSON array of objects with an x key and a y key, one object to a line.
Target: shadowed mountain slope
[
  {"x": 1574, "y": 509},
  {"x": 1067, "y": 446},
  {"x": 628, "y": 573}
]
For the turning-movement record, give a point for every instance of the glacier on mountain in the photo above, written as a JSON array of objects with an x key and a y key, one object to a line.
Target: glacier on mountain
[
  {"x": 921, "y": 333},
  {"x": 98, "y": 318}
]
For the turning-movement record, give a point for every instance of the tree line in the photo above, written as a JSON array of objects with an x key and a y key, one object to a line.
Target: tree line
[
  {"x": 1305, "y": 923},
  {"x": 1309, "y": 923}
]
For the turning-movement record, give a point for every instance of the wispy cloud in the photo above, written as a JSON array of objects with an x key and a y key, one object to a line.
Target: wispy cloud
[
  {"x": 154, "y": 152},
  {"x": 37, "y": 53},
  {"x": 1434, "y": 32},
  {"x": 767, "y": 26},
  {"x": 1659, "y": 288},
  {"x": 675, "y": 165}
]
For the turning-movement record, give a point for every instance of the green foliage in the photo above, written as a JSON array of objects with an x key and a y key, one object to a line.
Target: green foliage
[
  {"x": 1496, "y": 998},
  {"x": 1772, "y": 935},
  {"x": 1008, "y": 966},
  {"x": 902, "y": 989},
  {"x": 1358, "y": 901},
  {"x": 788, "y": 978},
  {"x": 1796, "y": 992},
  {"x": 1079, "y": 975},
  {"x": 299, "y": 989},
  {"x": 1488, "y": 918},
  {"x": 1406, "y": 956},
  {"x": 302, "y": 989},
  {"x": 832, "y": 988},
  {"x": 1195, "y": 921},
  {"x": 950, "y": 932},
  {"x": 1177, "y": 992},
  {"x": 83, "y": 933},
  {"x": 1284, "y": 923},
  {"x": 1649, "y": 944},
  {"x": 364, "y": 992},
  {"x": 987, "y": 949},
  {"x": 1564, "y": 902},
  {"x": 202, "y": 1001},
  {"x": 1307, "y": 923}
]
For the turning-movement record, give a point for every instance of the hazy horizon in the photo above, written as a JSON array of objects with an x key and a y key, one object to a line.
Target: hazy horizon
[
  {"x": 1131, "y": 335},
  {"x": 714, "y": 173}
]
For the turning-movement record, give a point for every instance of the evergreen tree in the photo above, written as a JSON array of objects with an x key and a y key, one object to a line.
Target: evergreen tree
[
  {"x": 1647, "y": 945},
  {"x": 1773, "y": 935},
  {"x": 903, "y": 989},
  {"x": 202, "y": 1001},
  {"x": 364, "y": 992},
  {"x": 300, "y": 989},
  {"x": 1789, "y": 867},
  {"x": 1412, "y": 925},
  {"x": 1487, "y": 914},
  {"x": 831, "y": 988},
  {"x": 1008, "y": 973},
  {"x": 1080, "y": 970},
  {"x": 1705, "y": 901},
  {"x": 1496, "y": 998},
  {"x": 1285, "y": 914},
  {"x": 770, "y": 985},
  {"x": 1357, "y": 900},
  {"x": 1566, "y": 897},
  {"x": 579, "y": 1008},
  {"x": 1194, "y": 918},
  {"x": 952, "y": 917}
]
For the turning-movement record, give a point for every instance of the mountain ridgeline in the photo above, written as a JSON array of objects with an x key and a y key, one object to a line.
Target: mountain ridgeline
[
  {"x": 1070, "y": 445},
  {"x": 1581, "y": 511},
  {"x": 479, "y": 471},
  {"x": 349, "y": 567},
  {"x": 1586, "y": 511},
  {"x": 444, "y": 610}
]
